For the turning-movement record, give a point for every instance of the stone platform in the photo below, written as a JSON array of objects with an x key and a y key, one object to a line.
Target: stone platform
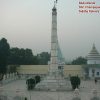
[
  {"x": 85, "y": 91},
  {"x": 53, "y": 83}
]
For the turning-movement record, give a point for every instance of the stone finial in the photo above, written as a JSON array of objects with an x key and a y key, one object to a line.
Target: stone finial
[
  {"x": 76, "y": 92},
  {"x": 76, "y": 95}
]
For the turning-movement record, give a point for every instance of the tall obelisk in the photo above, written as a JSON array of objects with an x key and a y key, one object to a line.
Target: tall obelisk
[
  {"x": 54, "y": 43},
  {"x": 54, "y": 81}
]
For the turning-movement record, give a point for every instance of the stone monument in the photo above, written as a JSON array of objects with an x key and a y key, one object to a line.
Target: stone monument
[{"x": 54, "y": 80}]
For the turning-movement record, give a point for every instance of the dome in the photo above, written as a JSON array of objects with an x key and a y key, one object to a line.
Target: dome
[{"x": 94, "y": 56}]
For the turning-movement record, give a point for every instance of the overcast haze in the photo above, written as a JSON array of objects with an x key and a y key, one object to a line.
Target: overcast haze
[{"x": 27, "y": 24}]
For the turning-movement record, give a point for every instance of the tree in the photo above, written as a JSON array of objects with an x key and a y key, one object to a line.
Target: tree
[
  {"x": 79, "y": 61},
  {"x": 30, "y": 58},
  {"x": 22, "y": 57},
  {"x": 43, "y": 58},
  {"x": 4, "y": 53}
]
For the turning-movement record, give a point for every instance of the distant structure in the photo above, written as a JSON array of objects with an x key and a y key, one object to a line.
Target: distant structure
[
  {"x": 94, "y": 56},
  {"x": 92, "y": 69}
]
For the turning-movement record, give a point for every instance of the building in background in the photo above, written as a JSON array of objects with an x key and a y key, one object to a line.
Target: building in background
[
  {"x": 92, "y": 69},
  {"x": 94, "y": 56}
]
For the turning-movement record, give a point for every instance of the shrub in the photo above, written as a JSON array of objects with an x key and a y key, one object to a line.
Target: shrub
[
  {"x": 37, "y": 79},
  {"x": 75, "y": 82},
  {"x": 30, "y": 83}
]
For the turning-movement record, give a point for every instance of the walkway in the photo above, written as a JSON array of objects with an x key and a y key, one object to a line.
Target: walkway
[{"x": 19, "y": 88}]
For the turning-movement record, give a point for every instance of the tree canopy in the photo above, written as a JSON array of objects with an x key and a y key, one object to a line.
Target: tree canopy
[
  {"x": 25, "y": 57},
  {"x": 21, "y": 57},
  {"x": 79, "y": 61},
  {"x": 43, "y": 58}
]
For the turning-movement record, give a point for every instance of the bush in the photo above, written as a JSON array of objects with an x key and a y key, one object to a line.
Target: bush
[
  {"x": 30, "y": 83},
  {"x": 75, "y": 82},
  {"x": 37, "y": 79}
]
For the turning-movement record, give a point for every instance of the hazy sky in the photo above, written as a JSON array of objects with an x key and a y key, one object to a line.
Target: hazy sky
[{"x": 27, "y": 24}]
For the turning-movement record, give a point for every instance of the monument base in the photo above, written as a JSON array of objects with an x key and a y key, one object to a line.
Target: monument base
[{"x": 54, "y": 83}]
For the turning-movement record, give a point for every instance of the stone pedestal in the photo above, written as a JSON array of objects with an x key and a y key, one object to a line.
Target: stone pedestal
[{"x": 53, "y": 83}]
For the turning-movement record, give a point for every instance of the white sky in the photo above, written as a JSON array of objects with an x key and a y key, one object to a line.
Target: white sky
[{"x": 27, "y": 24}]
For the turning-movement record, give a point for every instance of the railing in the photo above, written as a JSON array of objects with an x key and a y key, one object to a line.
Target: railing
[{"x": 7, "y": 78}]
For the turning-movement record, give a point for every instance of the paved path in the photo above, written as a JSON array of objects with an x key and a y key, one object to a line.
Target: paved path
[{"x": 85, "y": 91}]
